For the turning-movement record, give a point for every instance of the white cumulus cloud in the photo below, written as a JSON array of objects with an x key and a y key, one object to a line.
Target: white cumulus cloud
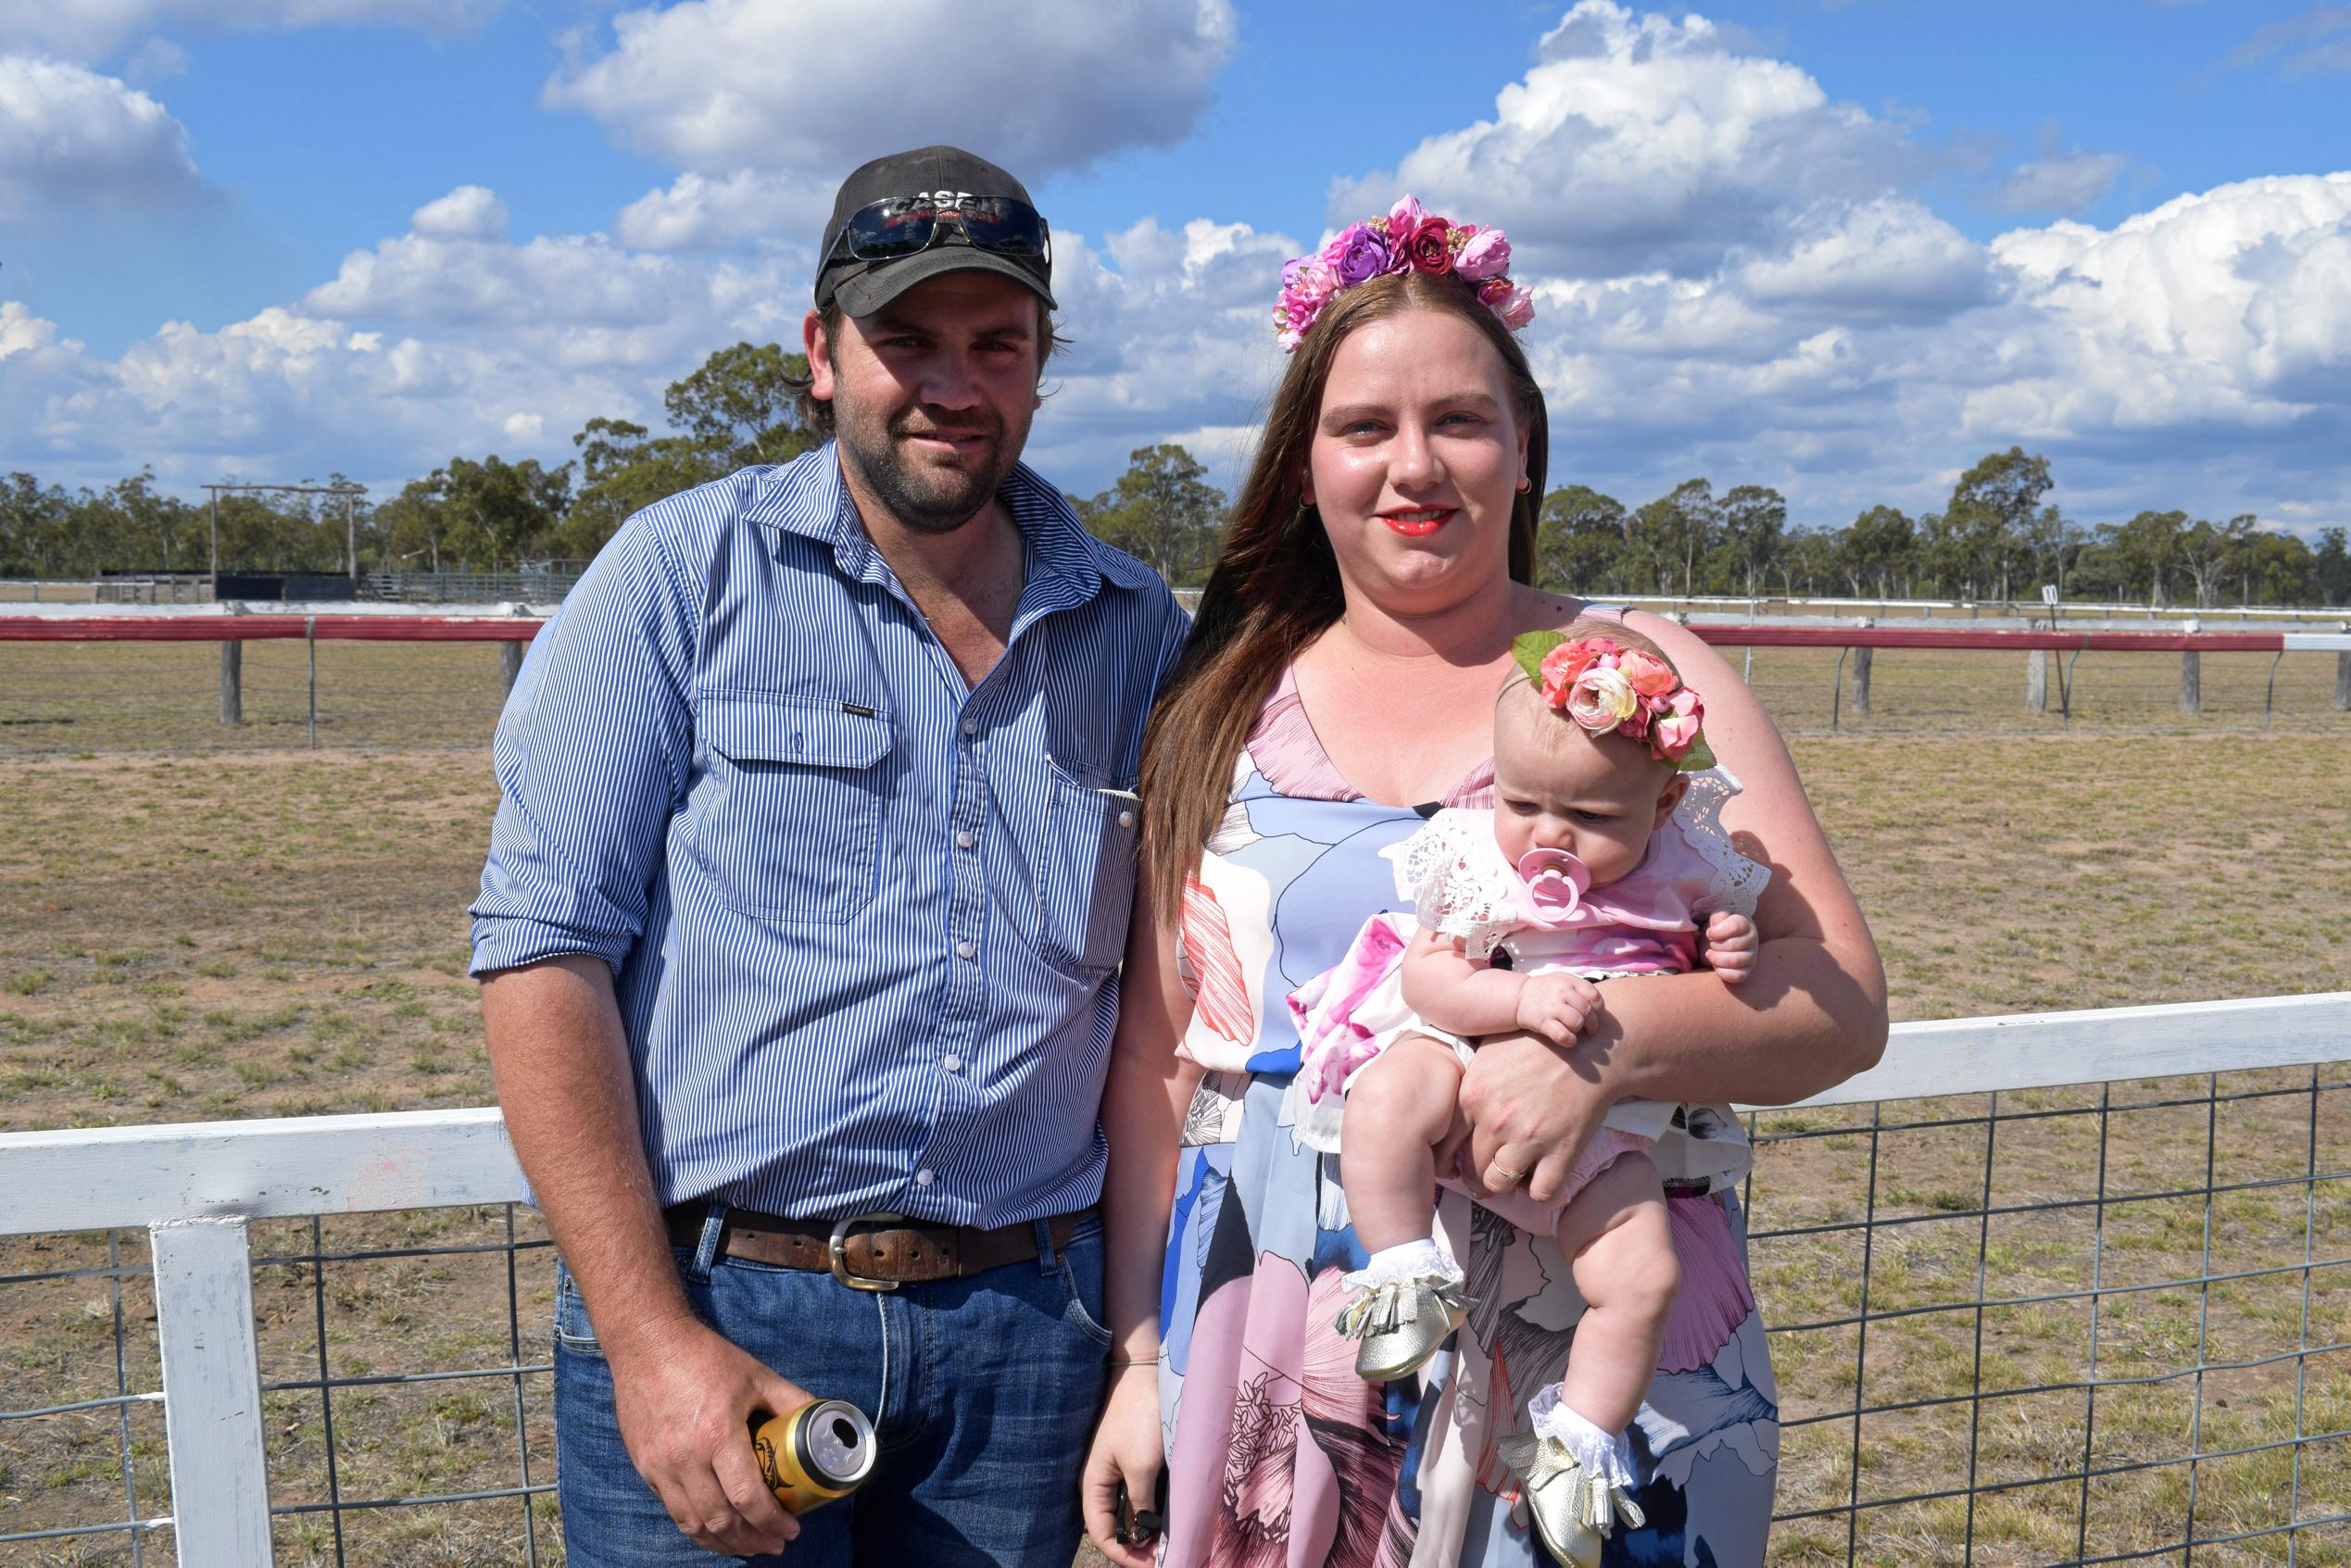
[
  {"x": 2228, "y": 308},
  {"x": 72, "y": 138},
  {"x": 1639, "y": 142},
  {"x": 696, "y": 212},
  {"x": 1890, "y": 257},
  {"x": 721, "y": 85},
  {"x": 21, "y": 332},
  {"x": 424, "y": 345},
  {"x": 470, "y": 212}
]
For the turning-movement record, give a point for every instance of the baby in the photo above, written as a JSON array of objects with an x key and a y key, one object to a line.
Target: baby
[{"x": 1580, "y": 873}]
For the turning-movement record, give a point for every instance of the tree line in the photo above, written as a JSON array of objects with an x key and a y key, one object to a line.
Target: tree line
[{"x": 1998, "y": 537}]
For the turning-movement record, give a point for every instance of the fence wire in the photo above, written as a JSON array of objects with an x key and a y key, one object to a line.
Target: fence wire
[
  {"x": 2096, "y": 1325},
  {"x": 2103, "y": 1324},
  {"x": 406, "y": 1388}
]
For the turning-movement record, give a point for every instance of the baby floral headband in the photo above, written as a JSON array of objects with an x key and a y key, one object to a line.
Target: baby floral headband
[
  {"x": 1604, "y": 687},
  {"x": 1410, "y": 239}
]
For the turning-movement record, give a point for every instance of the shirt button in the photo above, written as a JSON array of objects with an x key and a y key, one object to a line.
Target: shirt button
[
  {"x": 952, "y": 1062},
  {"x": 922, "y": 1177},
  {"x": 965, "y": 951},
  {"x": 963, "y": 839},
  {"x": 1126, "y": 819},
  {"x": 971, "y": 727}
]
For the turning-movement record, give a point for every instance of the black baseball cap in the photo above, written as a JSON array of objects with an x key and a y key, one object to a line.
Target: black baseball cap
[{"x": 864, "y": 286}]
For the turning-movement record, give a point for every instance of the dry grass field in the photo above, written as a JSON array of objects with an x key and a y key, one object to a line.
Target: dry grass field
[{"x": 204, "y": 924}]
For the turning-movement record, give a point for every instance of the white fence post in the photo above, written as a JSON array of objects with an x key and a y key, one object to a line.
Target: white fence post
[{"x": 211, "y": 1393}]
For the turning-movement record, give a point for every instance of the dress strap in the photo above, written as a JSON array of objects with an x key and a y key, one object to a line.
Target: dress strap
[{"x": 1287, "y": 751}]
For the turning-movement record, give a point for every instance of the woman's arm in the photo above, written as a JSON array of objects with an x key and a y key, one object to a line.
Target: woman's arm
[
  {"x": 1812, "y": 1015},
  {"x": 1143, "y": 1105}
]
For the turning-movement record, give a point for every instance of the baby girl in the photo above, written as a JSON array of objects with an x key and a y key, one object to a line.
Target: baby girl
[{"x": 1580, "y": 873}]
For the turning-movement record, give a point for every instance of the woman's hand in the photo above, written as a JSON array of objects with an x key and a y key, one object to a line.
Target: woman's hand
[
  {"x": 1528, "y": 1108},
  {"x": 1128, "y": 1446}
]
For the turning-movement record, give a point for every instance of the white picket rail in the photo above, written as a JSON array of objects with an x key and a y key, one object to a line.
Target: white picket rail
[{"x": 196, "y": 1186}]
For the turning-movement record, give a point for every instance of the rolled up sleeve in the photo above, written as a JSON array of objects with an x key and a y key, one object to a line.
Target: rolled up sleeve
[{"x": 594, "y": 753}]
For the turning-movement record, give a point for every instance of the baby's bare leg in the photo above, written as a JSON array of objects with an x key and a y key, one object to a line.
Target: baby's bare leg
[
  {"x": 1399, "y": 1110},
  {"x": 1620, "y": 1250}
]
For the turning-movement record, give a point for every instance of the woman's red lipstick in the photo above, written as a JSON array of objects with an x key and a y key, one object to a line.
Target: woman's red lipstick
[{"x": 1415, "y": 526}]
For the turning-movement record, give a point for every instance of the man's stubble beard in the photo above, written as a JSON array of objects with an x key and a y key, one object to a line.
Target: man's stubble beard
[{"x": 925, "y": 500}]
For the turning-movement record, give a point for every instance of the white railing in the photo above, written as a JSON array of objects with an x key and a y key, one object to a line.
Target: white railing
[{"x": 196, "y": 1188}]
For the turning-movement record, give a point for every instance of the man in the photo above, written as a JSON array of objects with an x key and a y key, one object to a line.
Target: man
[{"x": 800, "y": 924}]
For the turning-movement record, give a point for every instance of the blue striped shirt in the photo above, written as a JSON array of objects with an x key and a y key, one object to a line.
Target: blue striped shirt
[{"x": 865, "y": 923}]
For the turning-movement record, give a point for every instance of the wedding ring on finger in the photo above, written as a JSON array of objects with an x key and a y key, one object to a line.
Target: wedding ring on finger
[{"x": 1507, "y": 1178}]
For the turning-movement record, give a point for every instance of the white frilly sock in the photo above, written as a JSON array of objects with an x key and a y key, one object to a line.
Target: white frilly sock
[
  {"x": 1407, "y": 1262},
  {"x": 1606, "y": 1457}
]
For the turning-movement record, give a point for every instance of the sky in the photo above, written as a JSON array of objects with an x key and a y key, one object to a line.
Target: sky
[{"x": 1841, "y": 247}]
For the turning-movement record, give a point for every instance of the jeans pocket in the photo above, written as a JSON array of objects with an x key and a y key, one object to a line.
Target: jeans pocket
[
  {"x": 1081, "y": 1270},
  {"x": 572, "y": 1330}
]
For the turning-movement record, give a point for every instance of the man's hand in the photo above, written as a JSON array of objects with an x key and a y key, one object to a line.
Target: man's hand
[
  {"x": 1730, "y": 947},
  {"x": 684, "y": 1397},
  {"x": 1558, "y": 1006}
]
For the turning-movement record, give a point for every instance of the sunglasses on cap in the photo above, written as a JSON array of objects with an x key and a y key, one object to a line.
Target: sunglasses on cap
[{"x": 897, "y": 227}]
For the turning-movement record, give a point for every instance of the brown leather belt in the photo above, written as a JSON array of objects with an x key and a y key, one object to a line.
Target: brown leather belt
[{"x": 868, "y": 1252}]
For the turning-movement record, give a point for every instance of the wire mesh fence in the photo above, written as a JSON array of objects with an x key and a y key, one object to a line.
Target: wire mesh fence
[
  {"x": 2105, "y": 1323},
  {"x": 2099, "y": 1324},
  {"x": 405, "y": 1384}
]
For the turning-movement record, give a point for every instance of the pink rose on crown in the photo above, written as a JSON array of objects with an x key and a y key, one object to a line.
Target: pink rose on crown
[
  {"x": 1486, "y": 256},
  {"x": 1562, "y": 664},
  {"x": 1676, "y": 727},
  {"x": 1650, "y": 676},
  {"x": 1556, "y": 883}
]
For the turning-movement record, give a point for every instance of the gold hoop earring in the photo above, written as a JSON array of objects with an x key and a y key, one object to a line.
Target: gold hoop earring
[{"x": 1525, "y": 482}]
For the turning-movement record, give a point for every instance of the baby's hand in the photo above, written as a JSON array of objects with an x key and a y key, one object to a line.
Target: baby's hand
[
  {"x": 1730, "y": 947},
  {"x": 1558, "y": 1006}
]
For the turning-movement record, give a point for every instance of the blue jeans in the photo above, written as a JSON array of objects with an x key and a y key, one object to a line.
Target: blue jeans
[{"x": 984, "y": 1392}]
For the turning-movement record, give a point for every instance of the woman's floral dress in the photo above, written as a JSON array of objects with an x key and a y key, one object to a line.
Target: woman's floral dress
[{"x": 1278, "y": 1452}]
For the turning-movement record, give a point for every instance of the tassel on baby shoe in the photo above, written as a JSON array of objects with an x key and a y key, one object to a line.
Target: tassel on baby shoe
[
  {"x": 1578, "y": 1479},
  {"x": 1407, "y": 1302}
]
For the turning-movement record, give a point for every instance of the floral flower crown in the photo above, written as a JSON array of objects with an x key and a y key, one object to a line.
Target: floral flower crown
[
  {"x": 1408, "y": 239},
  {"x": 1604, "y": 687}
]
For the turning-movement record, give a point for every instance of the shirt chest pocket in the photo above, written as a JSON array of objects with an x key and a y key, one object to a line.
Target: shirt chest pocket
[
  {"x": 791, "y": 821},
  {"x": 1091, "y": 836}
]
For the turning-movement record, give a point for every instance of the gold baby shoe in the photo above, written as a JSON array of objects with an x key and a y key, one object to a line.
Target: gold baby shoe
[
  {"x": 1402, "y": 1323},
  {"x": 1574, "y": 1510}
]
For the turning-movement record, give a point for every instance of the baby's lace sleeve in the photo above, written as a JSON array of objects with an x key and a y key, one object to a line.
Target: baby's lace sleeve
[
  {"x": 1457, "y": 882},
  {"x": 1734, "y": 882}
]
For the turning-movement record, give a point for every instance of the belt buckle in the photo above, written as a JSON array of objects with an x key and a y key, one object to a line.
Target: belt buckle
[{"x": 837, "y": 1251}]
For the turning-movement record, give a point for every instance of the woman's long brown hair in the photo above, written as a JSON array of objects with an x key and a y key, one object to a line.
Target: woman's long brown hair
[{"x": 1275, "y": 585}]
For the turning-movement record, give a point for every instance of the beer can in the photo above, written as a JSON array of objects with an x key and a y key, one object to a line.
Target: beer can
[{"x": 822, "y": 1450}]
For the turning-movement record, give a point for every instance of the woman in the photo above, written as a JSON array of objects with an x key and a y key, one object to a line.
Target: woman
[{"x": 1339, "y": 683}]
